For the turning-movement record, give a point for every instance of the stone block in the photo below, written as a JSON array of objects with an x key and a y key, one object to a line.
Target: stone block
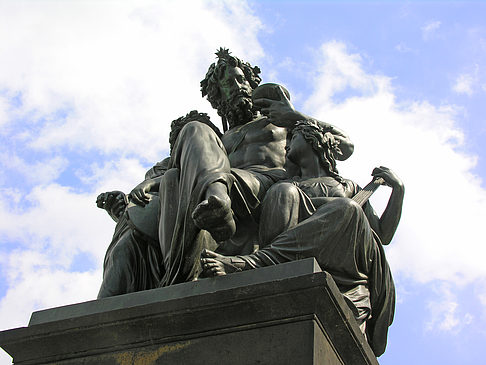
[{"x": 291, "y": 313}]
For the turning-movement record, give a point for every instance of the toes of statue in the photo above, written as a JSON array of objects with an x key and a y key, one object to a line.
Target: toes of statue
[{"x": 215, "y": 216}]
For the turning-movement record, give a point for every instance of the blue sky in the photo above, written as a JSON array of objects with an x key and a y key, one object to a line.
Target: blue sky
[{"x": 88, "y": 90}]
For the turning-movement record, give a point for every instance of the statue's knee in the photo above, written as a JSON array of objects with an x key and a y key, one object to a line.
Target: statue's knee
[
  {"x": 284, "y": 190},
  {"x": 349, "y": 205},
  {"x": 170, "y": 179},
  {"x": 171, "y": 174},
  {"x": 195, "y": 128}
]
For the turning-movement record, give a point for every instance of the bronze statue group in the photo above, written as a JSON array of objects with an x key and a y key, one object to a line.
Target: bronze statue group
[{"x": 263, "y": 192}]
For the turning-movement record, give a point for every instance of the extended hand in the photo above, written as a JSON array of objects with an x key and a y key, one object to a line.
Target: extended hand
[
  {"x": 278, "y": 109},
  {"x": 139, "y": 195},
  {"x": 391, "y": 179},
  {"x": 114, "y": 202}
]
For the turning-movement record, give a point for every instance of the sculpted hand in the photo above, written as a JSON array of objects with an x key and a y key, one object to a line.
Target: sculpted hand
[
  {"x": 114, "y": 202},
  {"x": 139, "y": 195},
  {"x": 277, "y": 109},
  {"x": 391, "y": 179}
]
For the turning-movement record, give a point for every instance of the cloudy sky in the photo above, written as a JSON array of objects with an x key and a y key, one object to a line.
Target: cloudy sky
[{"x": 88, "y": 90}]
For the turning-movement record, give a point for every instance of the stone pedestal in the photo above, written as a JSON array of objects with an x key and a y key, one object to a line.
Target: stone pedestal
[{"x": 286, "y": 314}]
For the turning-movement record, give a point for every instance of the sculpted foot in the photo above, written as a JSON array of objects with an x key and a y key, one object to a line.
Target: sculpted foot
[
  {"x": 215, "y": 216},
  {"x": 214, "y": 264}
]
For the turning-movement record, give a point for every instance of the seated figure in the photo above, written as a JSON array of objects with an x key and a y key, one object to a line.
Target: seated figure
[
  {"x": 133, "y": 260},
  {"x": 215, "y": 184},
  {"x": 314, "y": 215}
]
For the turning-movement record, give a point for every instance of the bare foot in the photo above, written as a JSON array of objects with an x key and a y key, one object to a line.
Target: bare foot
[
  {"x": 214, "y": 264},
  {"x": 215, "y": 216}
]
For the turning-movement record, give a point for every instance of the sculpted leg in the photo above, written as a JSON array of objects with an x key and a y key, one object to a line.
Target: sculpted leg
[
  {"x": 203, "y": 171},
  {"x": 169, "y": 199},
  {"x": 214, "y": 214},
  {"x": 280, "y": 212},
  {"x": 118, "y": 271},
  {"x": 131, "y": 264}
]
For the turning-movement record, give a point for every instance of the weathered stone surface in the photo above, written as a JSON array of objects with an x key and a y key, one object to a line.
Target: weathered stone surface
[{"x": 285, "y": 314}]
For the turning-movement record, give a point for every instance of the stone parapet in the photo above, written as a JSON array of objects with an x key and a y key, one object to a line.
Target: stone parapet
[{"x": 291, "y": 313}]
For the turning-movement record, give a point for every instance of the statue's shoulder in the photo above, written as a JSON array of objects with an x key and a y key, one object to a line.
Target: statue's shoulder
[{"x": 240, "y": 130}]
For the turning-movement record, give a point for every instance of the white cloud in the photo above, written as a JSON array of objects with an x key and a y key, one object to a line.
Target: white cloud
[
  {"x": 110, "y": 77},
  {"x": 337, "y": 71},
  {"x": 38, "y": 172},
  {"x": 58, "y": 225},
  {"x": 429, "y": 29},
  {"x": 58, "y": 222},
  {"x": 44, "y": 288},
  {"x": 403, "y": 48},
  {"x": 103, "y": 78},
  {"x": 464, "y": 84},
  {"x": 121, "y": 174},
  {"x": 440, "y": 235},
  {"x": 468, "y": 82},
  {"x": 444, "y": 312},
  {"x": 5, "y": 358},
  {"x": 3, "y": 110},
  {"x": 119, "y": 72}
]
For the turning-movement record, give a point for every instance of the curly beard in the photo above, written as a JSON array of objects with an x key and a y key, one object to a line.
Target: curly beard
[{"x": 238, "y": 111}]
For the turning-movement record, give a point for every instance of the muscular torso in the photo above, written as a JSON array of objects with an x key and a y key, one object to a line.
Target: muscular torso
[{"x": 256, "y": 143}]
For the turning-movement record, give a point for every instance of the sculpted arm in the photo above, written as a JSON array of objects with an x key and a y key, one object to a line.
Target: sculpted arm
[
  {"x": 138, "y": 195},
  {"x": 282, "y": 113},
  {"x": 387, "y": 224},
  {"x": 115, "y": 202},
  {"x": 151, "y": 184}
]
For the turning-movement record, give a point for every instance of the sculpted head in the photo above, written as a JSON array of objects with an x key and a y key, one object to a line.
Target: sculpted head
[
  {"x": 309, "y": 137},
  {"x": 179, "y": 123},
  {"x": 228, "y": 86}
]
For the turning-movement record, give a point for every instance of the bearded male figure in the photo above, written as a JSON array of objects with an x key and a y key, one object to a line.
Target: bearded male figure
[{"x": 215, "y": 185}]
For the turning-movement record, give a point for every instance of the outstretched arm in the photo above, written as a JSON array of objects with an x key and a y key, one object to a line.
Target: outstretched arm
[
  {"x": 387, "y": 224},
  {"x": 282, "y": 113}
]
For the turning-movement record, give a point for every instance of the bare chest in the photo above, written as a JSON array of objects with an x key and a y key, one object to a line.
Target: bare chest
[{"x": 259, "y": 132}]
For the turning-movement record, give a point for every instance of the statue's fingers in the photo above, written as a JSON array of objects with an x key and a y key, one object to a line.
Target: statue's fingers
[
  {"x": 265, "y": 111},
  {"x": 135, "y": 199},
  {"x": 263, "y": 102},
  {"x": 100, "y": 201},
  {"x": 119, "y": 212},
  {"x": 209, "y": 254},
  {"x": 376, "y": 170},
  {"x": 109, "y": 201},
  {"x": 385, "y": 176},
  {"x": 118, "y": 208},
  {"x": 211, "y": 268},
  {"x": 143, "y": 198},
  {"x": 211, "y": 261}
]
